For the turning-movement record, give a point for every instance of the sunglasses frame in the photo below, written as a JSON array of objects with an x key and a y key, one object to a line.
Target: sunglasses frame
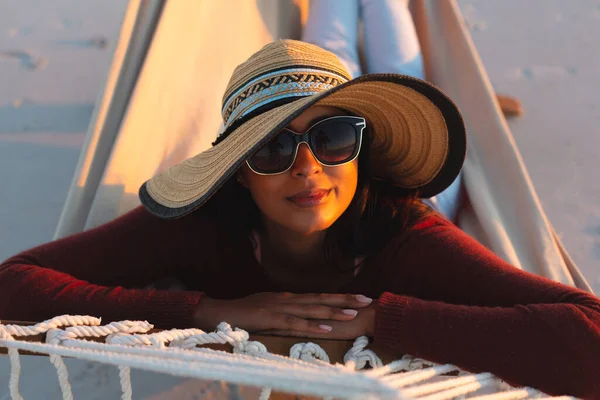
[{"x": 300, "y": 138}]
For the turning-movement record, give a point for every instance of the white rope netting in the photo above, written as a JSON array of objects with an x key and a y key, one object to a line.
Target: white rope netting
[{"x": 306, "y": 371}]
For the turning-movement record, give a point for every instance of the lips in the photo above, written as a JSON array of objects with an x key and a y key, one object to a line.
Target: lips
[{"x": 310, "y": 198}]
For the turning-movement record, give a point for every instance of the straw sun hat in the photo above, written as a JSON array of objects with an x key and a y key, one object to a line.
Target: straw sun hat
[{"x": 417, "y": 134}]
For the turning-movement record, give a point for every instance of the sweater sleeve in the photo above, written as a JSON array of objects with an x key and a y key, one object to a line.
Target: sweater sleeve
[
  {"x": 448, "y": 299},
  {"x": 101, "y": 272}
]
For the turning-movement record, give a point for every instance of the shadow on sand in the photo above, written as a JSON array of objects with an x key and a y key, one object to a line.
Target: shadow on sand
[{"x": 32, "y": 117}]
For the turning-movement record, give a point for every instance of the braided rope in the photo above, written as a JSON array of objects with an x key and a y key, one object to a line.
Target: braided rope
[
  {"x": 53, "y": 337},
  {"x": 450, "y": 383},
  {"x": 157, "y": 339},
  {"x": 225, "y": 334},
  {"x": 15, "y": 366},
  {"x": 54, "y": 323},
  {"x": 393, "y": 367},
  {"x": 265, "y": 393},
  {"x": 310, "y": 352},
  {"x": 56, "y": 336},
  {"x": 307, "y": 370},
  {"x": 105, "y": 330},
  {"x": 9, "y": 330},
  {"x": 239, "y": 369},
  {"x": 411, "y": 377},
  {"x": 15, "y": 373},
  {"x": 358, "y": 357},
  {"x": 125, "y": 382}
]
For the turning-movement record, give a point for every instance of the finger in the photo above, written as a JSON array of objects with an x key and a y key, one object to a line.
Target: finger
[
  {"x": 332, "y": 300},
  {"x": 276, "y": 332},
  {"x": 307, "y": 335},
  {"x": 317, "y": 311},
  {"x": 289, "y": 322},
  {"x": 341, "y": 330}
]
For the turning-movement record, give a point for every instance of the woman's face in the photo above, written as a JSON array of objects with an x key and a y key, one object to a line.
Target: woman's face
[{"x": 309, "y": 197}]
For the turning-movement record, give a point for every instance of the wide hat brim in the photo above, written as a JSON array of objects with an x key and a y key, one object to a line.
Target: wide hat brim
[{"x": 418, "y": 142}]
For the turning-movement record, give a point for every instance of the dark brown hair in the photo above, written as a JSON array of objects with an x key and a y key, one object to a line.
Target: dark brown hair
[{"x": 378, "y": 211}]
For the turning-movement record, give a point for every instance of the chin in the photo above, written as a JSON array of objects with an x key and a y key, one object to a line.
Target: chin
[{"x": 308, "y": 225}]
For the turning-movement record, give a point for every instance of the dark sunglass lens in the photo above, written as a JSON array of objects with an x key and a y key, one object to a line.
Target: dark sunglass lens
[
  {"x": 275, "y": 156},
  {"x": 334, "y": 141}
]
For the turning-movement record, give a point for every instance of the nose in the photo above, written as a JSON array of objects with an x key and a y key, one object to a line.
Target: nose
[{"x": 305, "y": 164}]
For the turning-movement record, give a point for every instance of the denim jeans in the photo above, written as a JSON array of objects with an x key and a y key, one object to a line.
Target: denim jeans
[{"x": 390, "y": 46}]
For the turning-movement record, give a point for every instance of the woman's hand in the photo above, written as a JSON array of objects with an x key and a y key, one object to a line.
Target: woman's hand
[
  {"x": 327, "y": 316},
  {"x": 362, "y": 325}
]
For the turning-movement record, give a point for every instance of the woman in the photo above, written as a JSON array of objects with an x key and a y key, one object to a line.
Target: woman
[{"x": 303, "y": 220}]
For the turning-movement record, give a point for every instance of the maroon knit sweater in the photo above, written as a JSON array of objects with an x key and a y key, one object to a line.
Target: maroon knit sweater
[{"x": 442, "y": 296}]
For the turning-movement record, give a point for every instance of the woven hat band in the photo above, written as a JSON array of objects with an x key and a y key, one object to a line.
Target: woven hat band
[{"x": 276, "y": 86}]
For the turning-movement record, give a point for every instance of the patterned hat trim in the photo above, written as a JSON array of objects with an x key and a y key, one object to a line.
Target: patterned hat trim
[{"x": 278, "y": 85}]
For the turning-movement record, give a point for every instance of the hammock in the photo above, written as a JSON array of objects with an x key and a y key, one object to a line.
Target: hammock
[
  {"x": 306, "y": 371},
  {"x": 165, "y": 85}
]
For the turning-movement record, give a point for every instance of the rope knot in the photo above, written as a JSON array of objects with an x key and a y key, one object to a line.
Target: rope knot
[
  {"x": 415, "y": 363},
  {"x": 238, "y": 338},
  {"x": 237, "y": 334},
  {"x": 308, "y": 352},
  {"x": 358, "y": 356},
  {"x": 56, "y": 336},
  {"x": 250, "y": 347}
]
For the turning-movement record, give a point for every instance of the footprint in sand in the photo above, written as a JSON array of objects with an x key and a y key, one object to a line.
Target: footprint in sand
[
  {"x": 542, "y": 73},
  {"x": 98, "y": 42},
  {"x": 27, "y": 60}
]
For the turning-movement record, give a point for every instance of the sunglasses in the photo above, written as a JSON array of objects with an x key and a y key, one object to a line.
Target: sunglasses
[{"x": 332, "y": 141}]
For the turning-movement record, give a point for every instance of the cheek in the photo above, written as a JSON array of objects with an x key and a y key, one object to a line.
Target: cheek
[
  {"x": 265, "y": 190},
  {"x": 346, "y": 179}
]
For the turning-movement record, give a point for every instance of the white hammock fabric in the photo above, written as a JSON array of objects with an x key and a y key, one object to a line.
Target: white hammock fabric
[{"x": 307, "y": 371}]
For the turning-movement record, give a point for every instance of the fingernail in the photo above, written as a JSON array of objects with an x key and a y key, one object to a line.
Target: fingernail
[
  {"x": 363, "y": 299},
  {"x": 350, "y": 312},
  {"x": 326, "y": 327}
]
